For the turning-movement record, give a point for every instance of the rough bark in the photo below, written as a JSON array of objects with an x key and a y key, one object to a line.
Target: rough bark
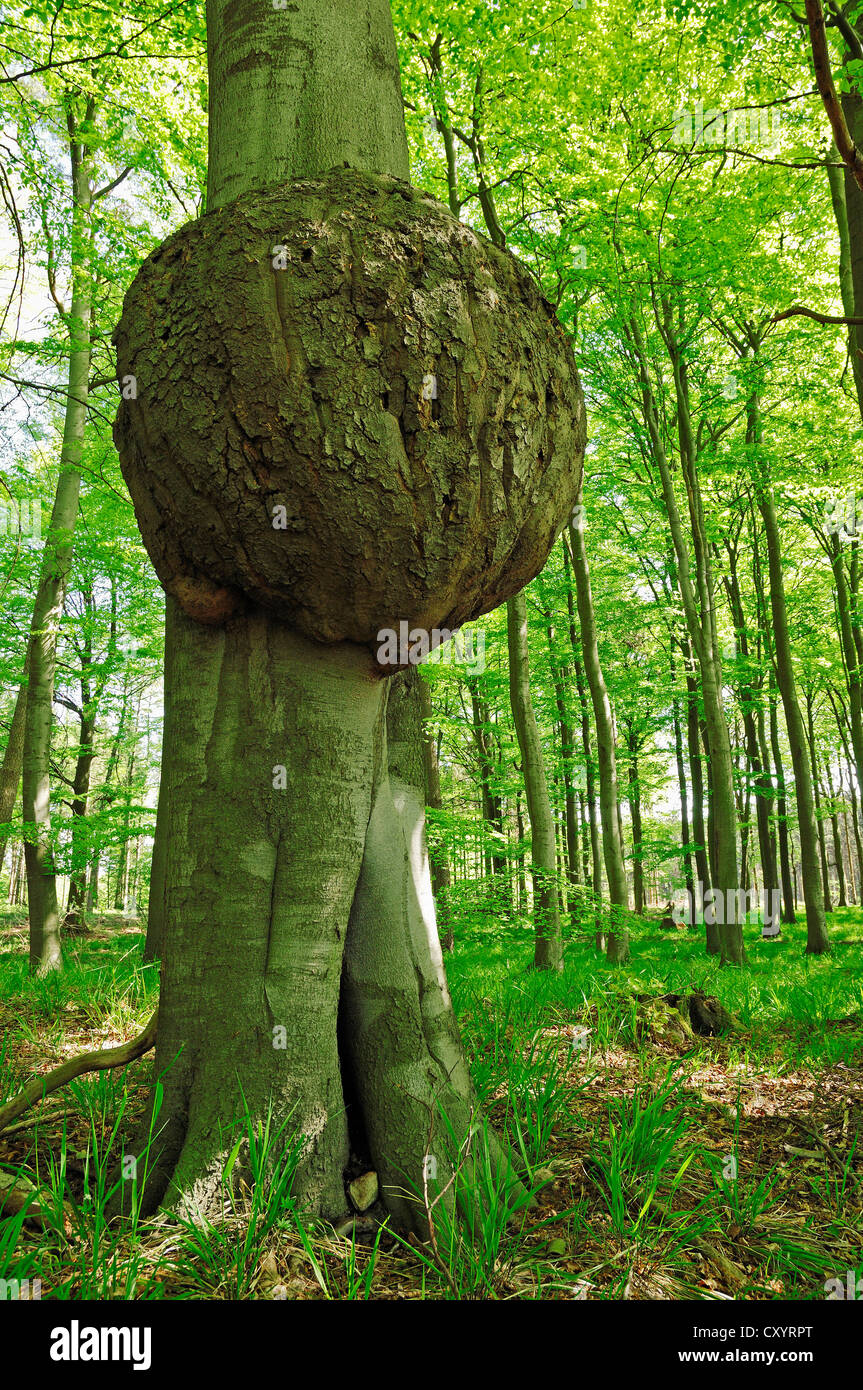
[{"x": 397, "y": 371}]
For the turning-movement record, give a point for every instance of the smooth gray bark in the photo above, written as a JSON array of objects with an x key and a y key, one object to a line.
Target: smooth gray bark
[
  {"x": 612, "y": 840},
  {"x": 45, "y": 948},
  {"x": 548, "y": 949},
  {"x": 13, "y": 758},
  {"x": 813, "y": 891}
]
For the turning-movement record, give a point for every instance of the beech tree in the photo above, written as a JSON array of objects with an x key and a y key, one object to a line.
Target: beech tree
[
  {"x": 548, "y": 952},
  {"x": 351, "y": 411},
  {"x": 612, "y": 840},
  {"x": 45, "y": 951}
]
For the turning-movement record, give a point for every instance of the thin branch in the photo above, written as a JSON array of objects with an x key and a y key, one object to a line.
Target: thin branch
[
  {"x": 109, "y": 187},
  {"x": 845, "y": 28},
  {"x": 119, "y": 52}
]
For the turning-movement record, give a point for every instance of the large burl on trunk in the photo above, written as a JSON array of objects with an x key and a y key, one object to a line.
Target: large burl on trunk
[
  {"x": 341, "y": 357},
  {"x": 350, "y": 411}
]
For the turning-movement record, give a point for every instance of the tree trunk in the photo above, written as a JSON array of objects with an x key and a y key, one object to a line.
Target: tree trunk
[
  {"x": 548, "y": 951},
  {"x": 16, "y": 876},
  {"x": 845, "y": 607},
  {"x": 699, "y": 613},
  {"x": 816, "y": 792},
  {"x": 813, "y": 893},
  {"x": 846, "y": 827},
  {"x": 121, "y": 889},
  {"x": 634, "y": 798},
  {"x": 13, "y": 757},
  {"x": 45, "y": 949},
  {"x": 837, "y": 178},
  {"x": 839, "y": 712},
  {"x": 440, "y": 871},
  {"x": 837, "y": 840},
  {"x": 858, "y": 838},
  {"x": 174, "y": 697},
  {"x": 612, "y": 841},
  {"x": 567, "y": 742},
  {"x": 81, "y": 779},
  {"x": 80, "y": 795},
  {"x": 93, "y": 884},
  {"x": 683, "y": 789},
  {"x": 398, "y": 1030},
  {"x": 788, "y": 896},
  {"x": 522, "y": 876},
  {"x": 301, "y": 967},
  {"x": 589, "y": 771},
  {"x": 699, "y": 829},
  {"x": 750, "y": 708},
  {"x": 492, "y": 809}
]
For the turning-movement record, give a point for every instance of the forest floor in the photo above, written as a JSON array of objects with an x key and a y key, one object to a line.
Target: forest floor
[{"x": 664, "y": 1163}]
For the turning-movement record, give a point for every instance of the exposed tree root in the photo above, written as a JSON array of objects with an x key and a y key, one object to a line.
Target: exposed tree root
[{"x": 103, "y": 1060}]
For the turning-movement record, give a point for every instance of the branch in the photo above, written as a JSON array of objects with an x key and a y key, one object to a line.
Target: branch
[
  {"x": 846, "y": 29},
  {"x": 119, "y": 52},
  {"x": 107, "y": 1057},
  {"x": 70, "y": 704},
  {"x": 51, "y": 268},
  {"x": 102, "y": 192},
  {"x": 812, "y": 314},
  {"x": 824, "y": 81}
]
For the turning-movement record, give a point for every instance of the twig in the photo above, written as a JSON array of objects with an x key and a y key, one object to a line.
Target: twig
[
  {"x": 828, "y": 1149},
  {"x": 33, "y": 1120}
]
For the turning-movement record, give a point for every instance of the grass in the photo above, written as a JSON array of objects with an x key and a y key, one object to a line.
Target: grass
[{"x": 658, "y": 1164}]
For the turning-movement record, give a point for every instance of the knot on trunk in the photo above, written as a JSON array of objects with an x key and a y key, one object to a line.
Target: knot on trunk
[{"x": 342, "y": 404}]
